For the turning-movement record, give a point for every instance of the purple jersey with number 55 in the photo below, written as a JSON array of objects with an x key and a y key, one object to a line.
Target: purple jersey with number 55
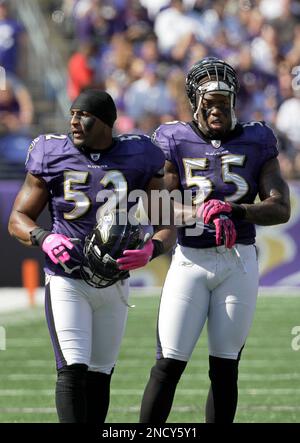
[
  {"x": 227, "y": 170},
  {"x": 75, "y": 180}
]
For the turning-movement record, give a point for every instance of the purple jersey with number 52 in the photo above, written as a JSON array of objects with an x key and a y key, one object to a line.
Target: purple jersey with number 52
[
  {"x": 75, "y": 180},
  {"x": 227, "y": 170}
]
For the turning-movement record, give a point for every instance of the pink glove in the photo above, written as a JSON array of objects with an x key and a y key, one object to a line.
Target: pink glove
[
  {"x": 55, "y": 245},
  {"x": 225, "y": 229},
  {"x": 211, "y": 208},
  {"x": 136, "y": 258}
]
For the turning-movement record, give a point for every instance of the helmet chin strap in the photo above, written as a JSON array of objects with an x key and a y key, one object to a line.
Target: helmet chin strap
[{"x": 233, "y": 116}]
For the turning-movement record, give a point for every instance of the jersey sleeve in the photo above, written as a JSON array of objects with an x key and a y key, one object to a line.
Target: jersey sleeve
[
  {"x": 35, "y": 157},
  {"x": 155, "y": 160},
  {"x": 162, "y": 139},
  {"x": 35, "y": 161}
]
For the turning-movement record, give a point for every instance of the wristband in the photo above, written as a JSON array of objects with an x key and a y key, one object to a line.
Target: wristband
[
  {"x": 158, "y": 248},
  {"x": 238, "y": 211},
  {"x": 38, "y": 235}
]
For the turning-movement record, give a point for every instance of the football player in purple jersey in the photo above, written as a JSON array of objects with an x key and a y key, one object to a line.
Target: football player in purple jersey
[
  {"x": 86, "y": 306},
  {"x": 213, "y": 277}
]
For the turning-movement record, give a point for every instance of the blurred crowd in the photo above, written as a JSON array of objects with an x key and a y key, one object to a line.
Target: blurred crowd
[
  {"x": 16, "y": 104},
  {"x": 140, "y": 51}
]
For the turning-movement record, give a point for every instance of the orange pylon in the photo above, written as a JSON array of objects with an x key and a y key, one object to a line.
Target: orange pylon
[{"x": 31, "y": 278}]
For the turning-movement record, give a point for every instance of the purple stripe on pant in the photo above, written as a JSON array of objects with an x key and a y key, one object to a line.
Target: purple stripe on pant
[{"x": 60, "y": 360}]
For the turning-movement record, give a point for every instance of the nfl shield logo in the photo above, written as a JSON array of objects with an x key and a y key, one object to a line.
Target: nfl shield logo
[
  {"x": 95, "y": 157},
  {"x": 216, "y": 143}
]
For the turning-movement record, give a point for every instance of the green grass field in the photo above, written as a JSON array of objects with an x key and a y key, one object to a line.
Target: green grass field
[{"x": 269, "y": 386}]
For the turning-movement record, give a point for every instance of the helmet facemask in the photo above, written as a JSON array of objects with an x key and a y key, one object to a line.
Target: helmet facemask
[
  {"x": 213, "y": 87},
  {"x": 97, "y": 269},
  {"x": 105, "y": 244},
  {"x": 211, "y": 76}
]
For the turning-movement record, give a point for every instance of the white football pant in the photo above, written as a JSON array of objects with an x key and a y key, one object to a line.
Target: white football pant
[
  {"x": 216, "y": 284},
  {"x": 86, "y": 324}
]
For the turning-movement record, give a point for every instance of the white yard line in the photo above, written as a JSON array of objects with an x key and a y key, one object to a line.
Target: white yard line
[
  {"x": 26, "y": 392},
  {"x": 26, "y": 342},
  {"x": 28, "y": 410},
  {"x": 139, "y": 392},
  {"x": 135, "y": 363},
  {"x": 200, "y": 377},
  {"x": 30, "y": 377},
  {"x": 30, "y": 363},
  {"x": 13, "y": 299},
  {"x": 129, "y": 363},
  {"x": 134, "y": 409}
]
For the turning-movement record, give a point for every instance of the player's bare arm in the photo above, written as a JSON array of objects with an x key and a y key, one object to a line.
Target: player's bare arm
[
  {"x": 165, "y": 232},
  {"x": 171, "y": 178},
  {"x": 184, "y": 215},
  {"x": 274, "y": 207},
  {"x": 28, "y": 205}
]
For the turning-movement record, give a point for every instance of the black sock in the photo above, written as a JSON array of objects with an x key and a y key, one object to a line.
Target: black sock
[
  {"x": 98, "y": 395},
  {"x": 160, "y": 390},
  {"x": 70, "y": 394},
  {"x": 210, "y": 407},
  {"x": 223, "y": 394}
]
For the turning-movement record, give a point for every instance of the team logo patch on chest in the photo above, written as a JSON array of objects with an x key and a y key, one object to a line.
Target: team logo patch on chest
[
  {"x": 216, "y": 143},
  {"x": 107, "y": 222},
  {"x": 95, "y": 157}
]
